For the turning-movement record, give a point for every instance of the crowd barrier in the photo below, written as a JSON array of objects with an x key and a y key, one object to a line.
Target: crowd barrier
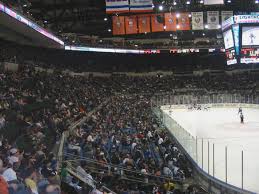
[
  {"x": 60, "y": 152},
  {"x": 209, "y": 156}
]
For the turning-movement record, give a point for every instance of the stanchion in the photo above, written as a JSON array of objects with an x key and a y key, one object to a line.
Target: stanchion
[
  {"x": 208, "y": 157},
  {"x": 226, "y": 159},
  {"x": 213, "y": 160},
  {"x": 242, "y": 168},
  {"x": 202, "y": 153}
]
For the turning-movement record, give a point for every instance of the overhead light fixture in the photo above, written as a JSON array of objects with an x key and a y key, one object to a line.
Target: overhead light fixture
[
  {"x": 203, "y": 34},
  {"x": 24, "y": 5},
  {"x": 171, "y": 35},
  {"x": 219, "y": 26},
  {"x": 174, "y": 3},
  {"x": 188, "y": 2},
  {"x": 201, "y": 2},
  {"x": 256, "y": 1},
  {"x": 190, "y": 15},
  {"x": 109, "y": 30},
  {"x": 164, "y": 27},
  {"x": 206, "y": 26},
  {"x": 136, "y": 45},
  {"x": 45, "y": 21},
  {"x": 105, "y": 19},
  {"x": 160, "y": 8},
  {"x": 177, "y": 15},
  {"x": 178, "y": 26},
  {"x": 229, "y": 1}
]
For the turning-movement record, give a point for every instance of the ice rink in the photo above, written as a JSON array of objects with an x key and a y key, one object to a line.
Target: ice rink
[{"x": 222, "y": 127}]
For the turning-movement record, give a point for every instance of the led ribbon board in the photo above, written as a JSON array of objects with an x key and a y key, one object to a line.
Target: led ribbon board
[{"x": 27, "y": 22}]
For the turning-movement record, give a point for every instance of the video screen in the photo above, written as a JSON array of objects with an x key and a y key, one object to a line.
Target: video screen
[
  {"x": 213, "y": 2},
  {"x": 231, "y": 57},
  {"x": 249, "y": 55},
  {"x": 228, "y": 39},
  {"x": 250, "y": 36}
]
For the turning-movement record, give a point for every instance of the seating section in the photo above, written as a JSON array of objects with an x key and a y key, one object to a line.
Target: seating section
[{"x": 121, "y": 145}]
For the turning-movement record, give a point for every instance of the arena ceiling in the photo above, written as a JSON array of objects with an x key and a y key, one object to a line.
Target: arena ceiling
[{"x": 78, "y": 21}]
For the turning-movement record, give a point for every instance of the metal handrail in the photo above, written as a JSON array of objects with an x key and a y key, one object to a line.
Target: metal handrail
[{"x": 78, "y": 158}]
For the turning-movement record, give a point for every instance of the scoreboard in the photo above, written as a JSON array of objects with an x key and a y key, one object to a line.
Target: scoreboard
[{"x": 241, "y": 39}]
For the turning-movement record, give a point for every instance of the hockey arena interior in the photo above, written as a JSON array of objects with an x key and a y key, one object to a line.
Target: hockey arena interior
[{"x": 129, "y": 96}]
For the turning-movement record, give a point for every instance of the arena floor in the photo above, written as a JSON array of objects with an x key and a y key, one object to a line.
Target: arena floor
[{"x": 222, "y": 127}]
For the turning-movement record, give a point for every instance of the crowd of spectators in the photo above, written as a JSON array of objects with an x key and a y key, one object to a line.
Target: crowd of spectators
[
  {"x": 125, "y": 135},
  {"x": 122, "y": 136},
  {"x": 35, "y": 108}
]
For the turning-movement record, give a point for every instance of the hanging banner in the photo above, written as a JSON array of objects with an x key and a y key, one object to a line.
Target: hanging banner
[
  {"x": 157, "y": 22},
  {"x": 141, "y": 5},
  {"x": 131, "y": 24},
  {"x": 213, "y": 19},
  {"x": 144, "y": 23},
  {"x": 118, "y": 25},
  {"x": 170, "y": 22},
  {"x": 184, "y": 22},
  {"x": 197, "y": 21},
  {"x": 225, "y": 15},
  {"x": 117, "y": 6}
]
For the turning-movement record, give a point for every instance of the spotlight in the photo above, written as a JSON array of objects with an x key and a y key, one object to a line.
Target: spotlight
[
  {"x": 188, "y": 2},
  {"x": 229, "y": 1},
  {"x": 190, "y": 15},
  {"x": 105, "y": 19},
  {"x": 164, "y": 27},
  {"x": 178, "y": 26},
  {"x": 256, "y": 1},
  {"x": 201, "y": 2},
  {"x": 174, "y": 3},
  {"x": 160, "y": 8},
  {"x": 206, "y": 26},
  {"x": 177, "y": 15},
  {"x": 203, "y": 34},
  {"x": 109, "y": 30},
  {"x": 219, "y": 26}
]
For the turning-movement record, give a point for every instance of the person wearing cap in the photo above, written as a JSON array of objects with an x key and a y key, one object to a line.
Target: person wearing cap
[{"x": 14, "y": 157}]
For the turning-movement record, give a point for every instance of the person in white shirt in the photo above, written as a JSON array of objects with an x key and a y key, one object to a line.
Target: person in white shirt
[
  {"x": 149, "y": 134},
  {"x": 9, "y": 174},
  {"x": 2, "y": 122},
  {"x": 90, "y": 138},
  {"x": 160, "y": 140}
]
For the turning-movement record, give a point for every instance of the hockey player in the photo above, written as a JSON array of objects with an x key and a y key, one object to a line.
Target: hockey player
[
  {"x": 241, "y": 118},
  {"x": 240, "y": 110}
]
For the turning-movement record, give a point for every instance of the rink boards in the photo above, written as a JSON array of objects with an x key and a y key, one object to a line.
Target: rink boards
[{"x": 220, "y": 139}]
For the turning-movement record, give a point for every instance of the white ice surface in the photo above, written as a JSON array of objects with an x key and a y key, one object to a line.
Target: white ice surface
[{"x": 222, "y": 127}]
